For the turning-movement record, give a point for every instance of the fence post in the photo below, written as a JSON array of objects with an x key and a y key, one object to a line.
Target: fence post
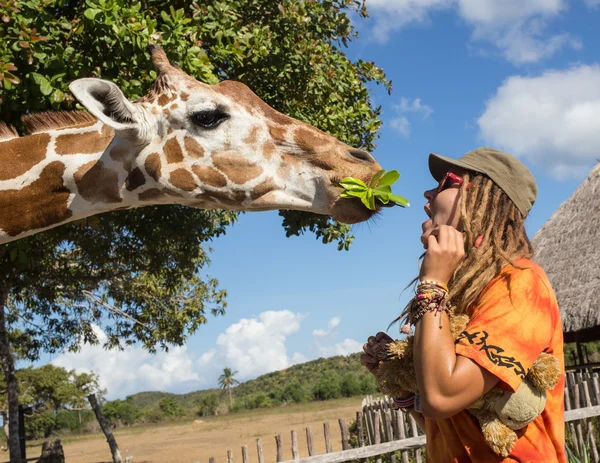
[
  {"x": 344, "y": 431},
  {"x": 590, "y": 425},
  {"x": 295, "y": 454},
  {"x": 279, "y": 447},
  {"x": 229, "y": 456},
  {"x": 377, "y": 434},
  {"x": 259, "y": 451},
  {"x": 211, "y": 460},
  {"x": 309, "y": 441},
  {"x": 244, "y": 454},
  {"x": 415, "y": 433},
  {"x": 327, "y": 437}
]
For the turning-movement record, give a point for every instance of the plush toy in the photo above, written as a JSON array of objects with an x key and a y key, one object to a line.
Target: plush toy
[{"x": 499, "y": 413}]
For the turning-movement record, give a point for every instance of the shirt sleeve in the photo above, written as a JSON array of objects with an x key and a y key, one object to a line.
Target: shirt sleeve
[{"x": 511, "y": 325}]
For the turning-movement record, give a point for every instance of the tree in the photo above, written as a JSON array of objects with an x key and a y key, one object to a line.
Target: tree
[
  {"x": 170, "y": 407},
  {"x": 350, "y": 385},
  {"x": 138, "y": 274},
  {"x": 46, "y": 390},
  {"x": 328, "y": 387},
  {"x": 208, "y": 404},
  {"x": 226, "y": 380}
]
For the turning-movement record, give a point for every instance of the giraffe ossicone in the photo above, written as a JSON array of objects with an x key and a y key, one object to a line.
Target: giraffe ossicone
[{"x": 186, "y": 142}]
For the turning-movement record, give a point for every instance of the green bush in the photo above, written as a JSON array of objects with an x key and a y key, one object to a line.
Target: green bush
[
  {"x": 170, "y": 407},
  {"x": 123, "y": 411},
  {"x": 328, "y": 387},
  {"x": 39, "y": 425},
  {"x": 350, "y": 385},
  {"x": 208, "y": 404}
]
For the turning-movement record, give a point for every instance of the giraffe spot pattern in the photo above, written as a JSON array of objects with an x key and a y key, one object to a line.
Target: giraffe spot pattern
[
  {"x": 19, "y": 155},
  {"x": 263, "y": 188},
  {"x": 236, "y": 167},
  {"x": 277, "y": 134},
  {"x": 209, "y": 176},
  {"x": 193, "y": 148},
  {"x": 41, "y": 204},
  {"x": 310, "y": 141},
  {"x": 152, "y": 166},
  {"x": 173, "y": 151},
  {"x": 135, "y": 179},
  {"x": 84, "y": 143},
  {"x": 151, "y": 194},
  {"x": 121, "y": 154},
  {"x": 182, "y": 179},
  {"x": 98, "y": 184}
]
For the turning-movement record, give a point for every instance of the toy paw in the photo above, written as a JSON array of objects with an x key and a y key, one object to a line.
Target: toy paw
[
  {"x": 501, "y": 439},
  {"x": 545, "y": 372}
]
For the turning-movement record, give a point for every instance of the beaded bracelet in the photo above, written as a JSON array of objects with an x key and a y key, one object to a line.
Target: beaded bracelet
[
  {"x": 433, "y": 283},
  {"x": 404, "y": 404},
  {"x": 429, "y": 299}
]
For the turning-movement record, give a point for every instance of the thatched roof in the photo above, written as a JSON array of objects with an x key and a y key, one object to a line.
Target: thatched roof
[{"x": 568, "y": 249}]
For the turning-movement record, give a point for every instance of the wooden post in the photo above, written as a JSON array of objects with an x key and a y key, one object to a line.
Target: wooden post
[
  {"x": 344, "y": 431},
  {"x": 259, "y": 451},
  {"x": 590, "y": 425},
  {"x": 579, "y": 351},
  {"x": 361, "y": 433},
  {"x": 229, "y": 456},
  {"x": 369, "y": 420},
  {"x": 596, "y": 388},
  {"x": 402, "y": 434},
  {"x": 415, "y": 432},
  {"x": 327, "y": 436},
  {"x": 279, "y": 447},
  {"x": 211, "y": 460},
  {"x": 245, "y": 454},
  {"x": 388, "y": 431},
  {"x": 309, "y": 441},
  {"x": 377, "y": 435},
  {"x": 295, "y": 454},
  {"x": 112, "y": 443}
]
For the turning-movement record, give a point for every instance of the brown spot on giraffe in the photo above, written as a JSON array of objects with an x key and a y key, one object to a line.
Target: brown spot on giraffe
[
  {"x": 84, "y": 143},
  {"x": 210, "y": 176},
  {"x": 263, "y": 188},
  {"x": 39, "y": 205},
  {"x": 174, "y": 106},
  {"x": 173, "y": 151},
  {"x": 164, "y": 99},
  {"x": 152, "y": 166},
  {"x": 252, "y": 137},
  {"x": 19, "y": 155},
  {"x": 236, "y": 167},
  {"x": 310, "y": 141},
  {"x": 135, "y": 179},
  {"x": 183, "y": 180},
  {"x": 151, "y": 194},
  {"x": 193, "y": 148},
  {"x": 184, "y": 96},
  {"x": 123, "y": 155},
  {"x": 98, "y": 184},
  {"x": 277, "y": 134}
]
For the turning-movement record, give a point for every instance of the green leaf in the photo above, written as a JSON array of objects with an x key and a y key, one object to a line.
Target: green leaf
[
  {"x": 375, "y": 179},
  {"x": 91, "y": 13},
  {"x": 400, "y": 200},
  {"x": 45, "y": 85},
  {"x": 353, "y": 182},
  {"x": 369, "y": 200},
  {"x": 389, "y": 178}
]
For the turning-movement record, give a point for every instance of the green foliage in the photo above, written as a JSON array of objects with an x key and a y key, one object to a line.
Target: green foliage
[
  {"x": 350, "y": 385},
  {"x": 328, "y": 387},
  {"x": 122, "y": 411},
  {"x": 379, "y": 188},
  {"x": 170, "y": 407},
  {"x": 40, "y": 425},
  {"x": 294, "y": 392},
  {"x": 208, "y": 404}
]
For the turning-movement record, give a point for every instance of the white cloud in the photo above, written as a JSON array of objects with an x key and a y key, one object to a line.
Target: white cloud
[
  {"x": 401, "y": 125},
  {"x": 325, "y": 341},
  {"x": 592, "y": 3},
  {"x": 133, "y": 369},
  {"x": 251, "y": 347},
  {"x": 552, "y": 119},
  {"x": 516, "y": 27}
]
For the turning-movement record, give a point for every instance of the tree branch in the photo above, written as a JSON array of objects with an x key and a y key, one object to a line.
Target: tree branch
[{"x": 95, "y": 299}]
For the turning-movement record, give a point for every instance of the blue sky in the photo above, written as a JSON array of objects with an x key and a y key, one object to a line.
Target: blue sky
[{"x": 519, "y": 75}]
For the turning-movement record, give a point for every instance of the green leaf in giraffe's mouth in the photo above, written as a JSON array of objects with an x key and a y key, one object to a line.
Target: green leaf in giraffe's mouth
[{"x": 379, "y": 188}]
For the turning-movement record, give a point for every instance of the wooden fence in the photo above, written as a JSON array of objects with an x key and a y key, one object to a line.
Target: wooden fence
[{"x": 381, "y": 430}]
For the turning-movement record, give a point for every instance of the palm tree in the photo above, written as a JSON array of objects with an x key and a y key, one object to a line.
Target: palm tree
[{"x": 226, "y": 380}]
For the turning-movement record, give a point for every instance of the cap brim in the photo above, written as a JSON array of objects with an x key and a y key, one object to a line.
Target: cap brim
[{"x": 440, "y": 165}]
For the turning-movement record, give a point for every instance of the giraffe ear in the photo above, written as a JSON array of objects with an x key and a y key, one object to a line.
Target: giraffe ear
[{"x": 106, "y": 102}]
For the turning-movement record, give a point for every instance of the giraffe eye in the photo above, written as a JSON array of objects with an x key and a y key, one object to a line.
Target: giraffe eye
[{"x": 209, "y": 119}]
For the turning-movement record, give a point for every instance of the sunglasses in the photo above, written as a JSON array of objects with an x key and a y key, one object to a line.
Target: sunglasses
[{"x": 450, "y": 180}]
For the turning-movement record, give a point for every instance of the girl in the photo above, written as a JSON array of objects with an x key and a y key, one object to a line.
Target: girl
[{"x": 477, "y": 261}]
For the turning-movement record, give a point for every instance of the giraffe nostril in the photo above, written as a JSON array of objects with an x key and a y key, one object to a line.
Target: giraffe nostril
[{"x": 361, "y": 155}]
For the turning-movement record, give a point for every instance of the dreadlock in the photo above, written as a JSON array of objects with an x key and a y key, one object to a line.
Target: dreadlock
[{"x": 485, "y": 210}]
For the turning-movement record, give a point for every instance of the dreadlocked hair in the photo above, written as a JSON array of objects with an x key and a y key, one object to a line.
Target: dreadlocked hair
[{"x": 485, "y": 210}]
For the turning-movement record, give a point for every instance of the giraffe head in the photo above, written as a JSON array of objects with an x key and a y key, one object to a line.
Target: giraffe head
[{"x": 222, "y": 147}]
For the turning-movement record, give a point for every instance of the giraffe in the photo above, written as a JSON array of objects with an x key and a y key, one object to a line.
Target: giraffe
[{"x": 186, "y": 142}]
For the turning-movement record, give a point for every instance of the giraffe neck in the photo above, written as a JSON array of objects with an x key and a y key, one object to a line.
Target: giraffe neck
[{"x": 62, "y": 175}]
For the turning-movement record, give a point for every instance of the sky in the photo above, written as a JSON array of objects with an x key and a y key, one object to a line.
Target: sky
[{"x": 522, "y": 76}]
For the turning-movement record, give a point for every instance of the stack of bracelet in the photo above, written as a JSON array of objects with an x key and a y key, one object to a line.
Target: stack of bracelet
[
  {"x": 404, "y": 404},
  {"x": 431, "y": 297}
]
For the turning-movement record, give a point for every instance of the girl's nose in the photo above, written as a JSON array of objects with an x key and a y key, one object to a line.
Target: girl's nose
[{"x": 429, "y": 194}]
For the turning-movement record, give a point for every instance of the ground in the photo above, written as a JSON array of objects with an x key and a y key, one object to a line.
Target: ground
[{"x": 190, "y": 442}]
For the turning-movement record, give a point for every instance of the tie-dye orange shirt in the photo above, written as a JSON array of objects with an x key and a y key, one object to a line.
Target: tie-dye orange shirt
[{"x": 514, "y": 320}]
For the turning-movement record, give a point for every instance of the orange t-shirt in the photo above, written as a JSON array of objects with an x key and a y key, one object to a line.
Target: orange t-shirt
[{"x": 514, "y": 320}]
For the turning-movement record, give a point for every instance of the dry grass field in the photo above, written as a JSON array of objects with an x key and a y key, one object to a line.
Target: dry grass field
[{"x": 190, "y": 442}]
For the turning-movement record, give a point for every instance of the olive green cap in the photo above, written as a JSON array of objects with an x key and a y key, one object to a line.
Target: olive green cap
[{"x": 510, "y": 174}]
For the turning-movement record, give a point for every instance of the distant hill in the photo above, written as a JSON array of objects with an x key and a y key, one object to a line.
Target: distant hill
[{"x": 310, "y": 376}]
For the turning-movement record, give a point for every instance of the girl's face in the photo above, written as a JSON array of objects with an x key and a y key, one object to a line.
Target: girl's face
[{"x": 442, "y": 206}]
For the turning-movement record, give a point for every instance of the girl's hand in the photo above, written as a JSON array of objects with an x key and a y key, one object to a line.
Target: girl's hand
[{"x": 445, "y": 251}]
